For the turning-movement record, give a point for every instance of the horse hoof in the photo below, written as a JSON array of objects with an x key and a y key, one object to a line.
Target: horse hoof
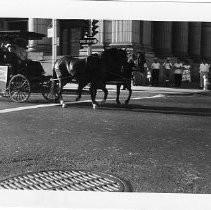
[
  {"x": 118, "y": 103},
  {"x": 126, "y": 102},
  {"x": 77, "y": 99},
  {"x": 102, "y": 102},
  {"x": 95, "y": 106},
  {"x": 64, "y": 105}
]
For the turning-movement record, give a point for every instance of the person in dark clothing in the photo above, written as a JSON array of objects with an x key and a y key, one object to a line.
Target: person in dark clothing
[
  {"x": 155, "y": 67},
  {"x": 178, "y": 70},
  {"x": 12, "y": 59},
  {"x": 131, "y": 66},
  {"x": 141, "y": 60},
  {"x": 139, "y": 74}
]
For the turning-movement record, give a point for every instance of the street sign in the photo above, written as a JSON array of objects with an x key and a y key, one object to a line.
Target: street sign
[
  {"x": 88, "y": 41},
  {"x": 50, "y": 32}
]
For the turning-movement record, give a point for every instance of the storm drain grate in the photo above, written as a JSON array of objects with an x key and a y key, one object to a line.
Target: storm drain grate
[{"x": 66, "y": 180}]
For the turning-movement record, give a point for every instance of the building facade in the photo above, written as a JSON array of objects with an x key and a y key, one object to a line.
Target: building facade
[
  {"x": 159, "y": 38},
  {"x": 191, "y": 40}
]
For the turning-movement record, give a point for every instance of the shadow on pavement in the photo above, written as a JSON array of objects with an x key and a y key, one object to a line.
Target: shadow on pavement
[{"x": 149, "y": 109}]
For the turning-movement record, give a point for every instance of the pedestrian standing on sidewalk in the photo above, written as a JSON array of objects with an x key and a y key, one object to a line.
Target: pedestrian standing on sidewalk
[
  {"x": 142, "y": 66},
  {"x": 155, "y": 67},
  {"x": 178, "y": 69},
  {"x": 139, "y": 66},
  {"x": 131, "y": 66},
  {"x": 186, "y": 75},
  {"x": 203, "y": 71},
  {"x": 167, "y": 65},
  {"x": 148, "y": 76}
]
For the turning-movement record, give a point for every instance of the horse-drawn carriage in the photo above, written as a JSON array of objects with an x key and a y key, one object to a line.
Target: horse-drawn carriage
[{"x": 19, "y": 76}]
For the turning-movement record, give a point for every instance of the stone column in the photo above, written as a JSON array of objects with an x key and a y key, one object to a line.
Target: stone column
[
  {"x": 65, "y": 37},
  {"x": 107, "y": 32},
  {"x": 180, "y": 39},
  {"x": 121, "y": 33},
  {"x": 146, "y": 36},
  {"x": 194, "y": 45},
  {"x": 74, "y": 45},
  {"x": 162, "y": 39},
  {"x": 206, "y": 40},
  {"x": 126, "y": 34},
  {"x": 40, "y": 26}
]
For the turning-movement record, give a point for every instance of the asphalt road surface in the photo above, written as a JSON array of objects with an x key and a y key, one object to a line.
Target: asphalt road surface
[{"x": 158, "y": 143}]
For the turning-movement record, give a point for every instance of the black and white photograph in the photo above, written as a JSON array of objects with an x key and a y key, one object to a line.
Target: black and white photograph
[{"x": 100, "y": 106}]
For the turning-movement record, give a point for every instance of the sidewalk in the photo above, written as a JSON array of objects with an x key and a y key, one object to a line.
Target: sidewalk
[{"x": 163, "y": 90}]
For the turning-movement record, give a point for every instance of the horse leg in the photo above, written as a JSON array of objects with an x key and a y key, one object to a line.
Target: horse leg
[
  {"x": 93, "y": 92},
  {"x": 80, "y": 88},
  {"x": 60, "y": 97},
  {"x": 52, "y": 90},
  {"x": 118, "y": 93},
  {"x": 128, "y": 86},
  {"x": 104, "y": 89}
]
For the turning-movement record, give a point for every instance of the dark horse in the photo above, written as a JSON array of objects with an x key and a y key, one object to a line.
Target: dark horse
[
  {"x": 117, "y": 70},
  {"x": 96, "y": 70}
]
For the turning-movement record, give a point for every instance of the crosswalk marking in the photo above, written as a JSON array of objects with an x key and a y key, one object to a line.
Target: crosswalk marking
[{"x": 16, "y": 109}]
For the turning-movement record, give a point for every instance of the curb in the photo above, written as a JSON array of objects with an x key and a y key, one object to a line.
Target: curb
[
  {"x": 168, "y": 91},
  {"x": 205, "y": 93}
]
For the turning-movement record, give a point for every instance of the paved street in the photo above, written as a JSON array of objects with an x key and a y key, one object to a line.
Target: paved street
[{"x": 158, "y": 143}]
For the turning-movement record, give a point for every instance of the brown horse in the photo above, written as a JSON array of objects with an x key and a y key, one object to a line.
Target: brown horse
[{"x": 96, "y": 70}]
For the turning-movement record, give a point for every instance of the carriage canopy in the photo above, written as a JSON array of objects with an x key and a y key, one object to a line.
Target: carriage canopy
[
  {"x": 19, "y": 38},
  {"x": 21, "y": 34}
]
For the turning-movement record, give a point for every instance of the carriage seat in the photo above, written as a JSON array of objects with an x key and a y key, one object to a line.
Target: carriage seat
[{"x": 34, "y": 70}]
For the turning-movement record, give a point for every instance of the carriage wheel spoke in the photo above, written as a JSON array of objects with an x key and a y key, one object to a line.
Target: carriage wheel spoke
[
  {"x": 16, "y": 96},
  {"x": 48, "y": 92},
  {"x": 15, "y": 93},
  {"x": 21, "y": 96},
  {"x": 24, "y": 95},
  {"x": 19, "y": 88}
]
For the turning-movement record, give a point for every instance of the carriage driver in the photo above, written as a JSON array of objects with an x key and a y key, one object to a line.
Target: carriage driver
[{"x": 11, "y": 57}]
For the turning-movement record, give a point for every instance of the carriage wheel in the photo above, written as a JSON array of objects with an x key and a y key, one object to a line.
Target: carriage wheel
[
  {"x": 49, "y": 92},
  {"x": 19, "y": 88}
]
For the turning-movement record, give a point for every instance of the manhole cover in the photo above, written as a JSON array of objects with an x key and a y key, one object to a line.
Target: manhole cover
[{"x": 66, "y": 180}]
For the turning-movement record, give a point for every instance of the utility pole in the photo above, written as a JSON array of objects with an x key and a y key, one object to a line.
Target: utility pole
[
  {"x": 54, "y": 41},
  {"x": 89, "y": 48}
]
